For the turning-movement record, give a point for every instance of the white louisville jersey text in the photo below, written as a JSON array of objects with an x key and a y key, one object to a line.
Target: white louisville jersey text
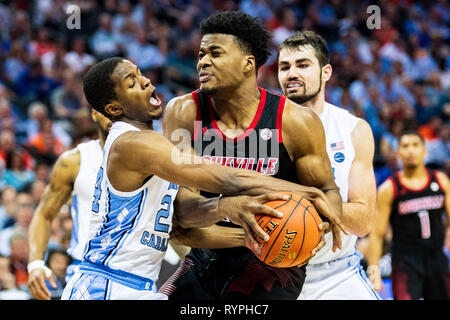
[
  {"x": 90, "y": 160},
  {"x": 338, "y": 124},
  {"x": 129, "y": 231}
]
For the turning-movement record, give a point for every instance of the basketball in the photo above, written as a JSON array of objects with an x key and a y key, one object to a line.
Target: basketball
[{"x": 292, "y": 237}]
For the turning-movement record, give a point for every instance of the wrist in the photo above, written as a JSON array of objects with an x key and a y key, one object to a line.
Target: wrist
[{"x": 38, "y": 264}]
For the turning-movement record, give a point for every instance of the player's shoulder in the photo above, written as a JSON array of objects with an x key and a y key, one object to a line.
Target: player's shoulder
[
  {"x": 296, "y": 114},
  {"x": 443, "y": 180},
  {"x": 70, "y": 157},
  {"x": 67, "y": 166},
  {"x": 180, "y": 111}
]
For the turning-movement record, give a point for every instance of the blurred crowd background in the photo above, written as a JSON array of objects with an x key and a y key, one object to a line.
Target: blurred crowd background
[{"x": 396, "y": 77}]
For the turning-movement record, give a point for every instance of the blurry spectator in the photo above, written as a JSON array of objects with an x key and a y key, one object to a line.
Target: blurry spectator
[
  {"x": 16, "y": 173},
  {"x": 25, "y": 209},
  {"x": 78, "y": 59},
  {"x": 37, "y": 188},
  {"x": 144, "y": 54},
  {"x": 288, "y": 24},
  {"x": 42, "y": 44},
  {"x": 57, "y": 260},
  {"x": 256, "y": 8},
  {"x": 19, "y": 258},
  {"x": 8, "y": 207},
  {"x": 45, "y": 146},
  {"x": 32, "y": 84},
  {"x": 439, "y": 148},
  {"x": 66, "y": 99},
  {"x": 16, "y": 62},
  {"x": 122, "y": 16},
  {"x": 104, "y": 42},
  {"x": 8, "y": 288},
  {"x": 53, "y": 62},
  {"x": 8, "y": 146},
  {"x": 430, "y": 130},
  {"x": 181, "y": 65}
]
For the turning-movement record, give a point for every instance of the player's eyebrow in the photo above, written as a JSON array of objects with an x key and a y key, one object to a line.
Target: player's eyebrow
[
  {"x": 211, "y": 48},
  {"x": 131, "y": 73},
  {"x": 296, "y": 61}
]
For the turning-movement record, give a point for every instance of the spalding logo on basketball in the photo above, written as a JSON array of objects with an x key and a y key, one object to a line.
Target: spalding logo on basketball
[{"x": 292, "y": 237}]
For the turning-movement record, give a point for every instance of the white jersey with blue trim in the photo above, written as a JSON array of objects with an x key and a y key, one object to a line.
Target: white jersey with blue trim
[
  {"x": 129, "y": 231},
  {"x": 90, "y": 160},
  {"x": 338, "y": 124}
]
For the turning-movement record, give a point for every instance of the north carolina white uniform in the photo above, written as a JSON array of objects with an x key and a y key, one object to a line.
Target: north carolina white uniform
[
  {"x": 91, "y": 156},
  {"x": 128, "y": 237},
  {"x": 338, "y": 275}
]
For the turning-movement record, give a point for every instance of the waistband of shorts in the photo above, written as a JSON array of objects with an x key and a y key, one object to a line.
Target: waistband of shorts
[
  {"x": 355, "y": 257},
  {"x": 125, "y": 278}
]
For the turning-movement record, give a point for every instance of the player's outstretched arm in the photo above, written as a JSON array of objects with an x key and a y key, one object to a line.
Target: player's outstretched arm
[
  {"x": 304, "y": 137},
  {"x": 55, "y": 195},
  {"x": 359, "y": 212},
  {"x": 385, "y": 195},
  {"x": 194, "y": 210}
]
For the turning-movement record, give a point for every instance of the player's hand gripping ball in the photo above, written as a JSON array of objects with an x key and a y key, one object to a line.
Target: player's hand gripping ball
[{"x": 292, "y": 237}]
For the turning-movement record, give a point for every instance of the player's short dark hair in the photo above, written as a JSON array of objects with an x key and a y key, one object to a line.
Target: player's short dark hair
[
  {"x": 98, "y": 85},
  {"x": 411, "y": 132},
  {"x": 308, "y": 38},
  {"x": 250, "y": 32}
]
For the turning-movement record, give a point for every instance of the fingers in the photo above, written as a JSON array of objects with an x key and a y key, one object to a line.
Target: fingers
[
  {"x": 337, "y": 242},
  {"x": 38, "y": 289},
  {"x": 272, "y": 197}
]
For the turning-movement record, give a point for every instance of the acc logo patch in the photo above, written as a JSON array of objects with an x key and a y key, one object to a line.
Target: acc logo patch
[{"x": 339, "y": 157}]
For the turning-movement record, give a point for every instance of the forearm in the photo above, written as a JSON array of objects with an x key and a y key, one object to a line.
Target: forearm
[
  {"x": 212, "y": 237},
  {"x": 375, "y": 248},
  {"x": 197, "y": 211},
  {"x": 39, "y": 235},
  {"x": 356, "y": 218}
]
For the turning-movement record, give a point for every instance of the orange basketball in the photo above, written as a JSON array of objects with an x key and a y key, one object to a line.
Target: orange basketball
[{"x": 292, "y": 237}]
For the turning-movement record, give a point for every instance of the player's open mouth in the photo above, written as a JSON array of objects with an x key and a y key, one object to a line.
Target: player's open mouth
[
  {"x": 154, "y": 99},
  {"x": 293, "y": 86},
  {"x": 204, "y": 76}
]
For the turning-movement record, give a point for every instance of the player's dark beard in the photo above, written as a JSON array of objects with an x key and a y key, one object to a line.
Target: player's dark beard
[{"x": 300, "y": 99}]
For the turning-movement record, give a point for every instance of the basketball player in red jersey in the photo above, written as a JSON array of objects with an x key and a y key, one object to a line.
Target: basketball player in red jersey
[
  {"x": 414, "y": 201},
  {"x": 236, "y": 123}
]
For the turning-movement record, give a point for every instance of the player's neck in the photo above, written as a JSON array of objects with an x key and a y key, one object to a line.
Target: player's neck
[
  {"x": 139, "y": 124},
  {"x": 414, "y": 172},
  {"x": 316, "y": 104},
  {"x": 236, "y": 109}
]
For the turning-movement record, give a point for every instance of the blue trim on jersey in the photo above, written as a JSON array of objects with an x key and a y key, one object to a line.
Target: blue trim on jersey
[
  {"x": 125, "y": 278},
  {"x": 135, "y": 222},
  {"x": 74, "y": 236},
  {"x": 121, "y": 215}
]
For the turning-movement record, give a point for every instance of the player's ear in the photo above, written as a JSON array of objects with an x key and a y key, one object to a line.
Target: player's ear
[
  {"x": 250, "y": 64},
  {"x": 327, "y": 71},
  {"x": 113, "y": 110}
]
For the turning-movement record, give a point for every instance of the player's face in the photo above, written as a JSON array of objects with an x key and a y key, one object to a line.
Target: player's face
[
  {"x": 221, "y": 63},
  {"x": 412, "y": 151},
  {"x": 299, "y": 73},
  {"x": 136, "y": 96}
]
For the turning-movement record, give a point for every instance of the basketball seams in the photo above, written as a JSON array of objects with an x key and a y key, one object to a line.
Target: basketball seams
[
  {"x": 303, "y": 238},
  {"x": 279, "y": 232}
]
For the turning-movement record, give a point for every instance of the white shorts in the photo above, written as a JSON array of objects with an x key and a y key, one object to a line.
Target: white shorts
[
  {"x": 93, "y": 285},
  {"x": 341, "y": 279}
]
